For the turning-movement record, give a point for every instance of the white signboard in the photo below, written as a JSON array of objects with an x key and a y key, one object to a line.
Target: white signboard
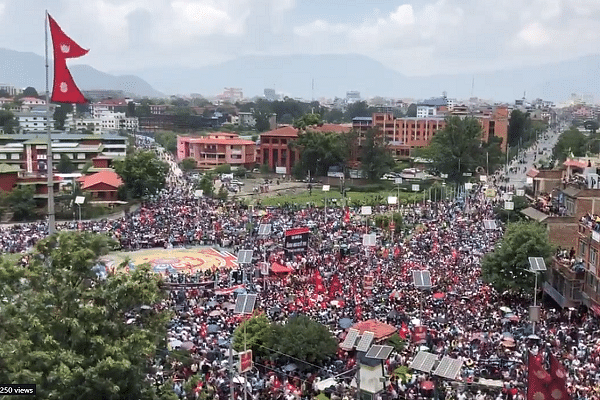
[
  {"x": 280, "y": 170},
  {"x": 468, "y": 186},
  {"x": 369, "y": 239},
  {"x": 326, "y": 188},
  {"x": 415, "y": 188},
  {"x": 392, "y": 200},
  {"x": 529, "y": 180},
  {"x": 199, "y": 193},
  {"x": 398, "y": 181},
  {"x": 507, "y": 197},
  {"x": 520, "y": 192},
  {"x": 596, "y": 236},
  {"x": 79, "y": 200},
  {"x": 444, "y": 176},
  {"x": 366, "y": 210},
  {"x": 509, "y": 205},
  {"x": 335, "y": 174},
  {"x": 482, "y": 178}
]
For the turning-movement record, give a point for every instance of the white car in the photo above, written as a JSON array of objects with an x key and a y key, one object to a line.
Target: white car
[{"x": 237, "y": 182}]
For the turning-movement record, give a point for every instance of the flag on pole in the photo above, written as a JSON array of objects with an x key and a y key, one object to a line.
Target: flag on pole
[
  {"x": 558, "y": 387},
  {"x": 538, "y": 379},
  {"x": 64, "y": 89}
]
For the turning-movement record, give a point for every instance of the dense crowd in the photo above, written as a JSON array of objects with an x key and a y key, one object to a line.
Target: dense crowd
[{"x": 465, "y": 318}]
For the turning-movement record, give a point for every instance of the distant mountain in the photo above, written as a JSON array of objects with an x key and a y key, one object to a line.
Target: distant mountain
[
  {"x": 335, "y": 74},
  {"x": 27, "y": 69}
]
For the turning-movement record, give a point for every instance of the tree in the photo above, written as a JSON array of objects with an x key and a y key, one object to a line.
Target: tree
[
  {"x": 168, "y": 140},
  {"x": 303, "y": 339},
  {"x": 188, "y": 164},
  {"x": 308, "y": 120},
  {"x": 206, "y": 185},
  {"x": 254, "y": 333},
  {"x": 143, "y": 174},
  {"x": 457, "y": 149},
  {"x": 411, "y": 111},
  {"x": 571, "y": 142},
  {"x": 65, "y": 165},
  {"x": 20, "y": 200},
  {"x": 60, "y": 115},
  {"x": 520, "y": 203},
  {"x": 30, "y": 92},
  {"x": 375, "y": 159},
  {"x": 262, "y": 118},
  {"x": 319, "y": 151},
  {"x": 65, "y": 328},
  {"x": 223, "y": 169},
  {"x": 358, "y": 109},
  {"x": 507, "y": 267},
  {"x": 8, "y": 122},
  {"x": 130, "y": 109},
  {"x": 222, "y": 193}
]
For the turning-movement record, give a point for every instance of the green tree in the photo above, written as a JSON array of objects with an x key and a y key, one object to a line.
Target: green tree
[
  {"x": 20, "y": 200},
  {"x": 319, "y": 151},
  {"x": 592, "y": 126},
  {"x": 304, "y": 339},
  {"x": 167, "y": 139},
  {"x": 411, "y": 111},
  {"x": 358, "y": 109},
  {"x": 206, "y": 185},
  {"x": 571, "y": 141},
  {"x": 130, "y": 109},
  {"x": 67, "y": 330},
  {"x": 308, "y": 120},
  {"x": 262, "y": 118},
  {"x": 188, "y": 164},
  {"x": 29, "y": 92},
  {"x": 334, "y": 116},
  {"x": 65, "y": 165},
  {"x": 375, "y": 158},
  {"x": 507, "y": 267},
  {"x": 520, "y": 203},
  {"x": 60, "y": 115},
  {"x": 143, "y": 174},
  {"x": 456, "y": 149},
  {"x": 518, "y": 125},
  {"x": 240, "y": 172},
  {"x": 8, "y": 122},
  {"x": 222, "y": 193},
  {"x": 223, "y": 169},
  {"x": 144, "y": 109},
  {"x": 255, "y": 334}
]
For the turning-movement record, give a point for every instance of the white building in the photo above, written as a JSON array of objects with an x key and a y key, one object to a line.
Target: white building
[
  {"x": 82, "y": 123},
  {"x": 34, "y": 120}
]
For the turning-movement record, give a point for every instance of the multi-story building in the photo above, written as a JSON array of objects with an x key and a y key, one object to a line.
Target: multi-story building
[
  {"x": 352, "y": 96},
  {"x": 34, "y": 120},
  {"x": 431, "y": 107},
  {"x": 217, "y": 149},
  {"x": 158, "y": 109},
  {"x": 275, "y": 150},
  {"x": 108, "y": 105},
  {"x": 10, "y": 89},
  {"x": 81, "y": 123}
]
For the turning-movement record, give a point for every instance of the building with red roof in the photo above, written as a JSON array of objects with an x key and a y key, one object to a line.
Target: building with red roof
[
  {"x": 381, "y": 330},
  {"x": 275, "y": 148},
  {"x": 102, "y": 186},
  {"x": 217, "y": 149}
]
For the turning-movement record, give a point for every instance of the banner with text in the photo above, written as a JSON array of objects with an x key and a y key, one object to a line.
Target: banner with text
[{"x": 296, "y": 240}]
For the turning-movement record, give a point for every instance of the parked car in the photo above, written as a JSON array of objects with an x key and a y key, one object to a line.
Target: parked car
[{"x": 237, "y": 182}]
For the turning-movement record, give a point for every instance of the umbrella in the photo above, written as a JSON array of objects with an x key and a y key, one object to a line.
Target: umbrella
[
  {"x": 514, "y": 318},
  {"x": 239, "y": 291},
  {"x": 345, "y": 323},
  {"x": 441, "y": 319},
  {"x": 227, "y": 306},
  {"x": 212, "y": 304},
  {"x": 187, "y": 345},
  {"x": 239, "y": 379},
  {"x": 213, "y": 328},
  {"x": 427, "y": 385},
  {"x": 508, "y": 336},
  {"x": 393, "y": 314},
  {"x": 437, "y": 296},
  {"x": 505, "y": 309},
  {"x": 290, "y": 367},
  {"x": 534, "y": 337},
  {"x": 508, "y": 343},
  {"x": 335, "y": 303},
  {"x": 215, "y": 313},
  {"x": 175, "y": 343},
  {"x": 275, "y": 310}
]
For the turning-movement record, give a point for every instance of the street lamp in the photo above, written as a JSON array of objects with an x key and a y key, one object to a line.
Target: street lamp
[
  {"x": 79, "y": 200},
  {"x": 536, "y": 264}
]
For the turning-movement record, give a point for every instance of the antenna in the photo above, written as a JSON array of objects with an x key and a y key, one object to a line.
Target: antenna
[
  {"x": 472, "y": 85},
  {"x": 313, "y": 89}
]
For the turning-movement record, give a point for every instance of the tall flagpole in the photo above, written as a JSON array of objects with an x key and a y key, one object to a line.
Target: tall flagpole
[{"x": 51, "y": 223}]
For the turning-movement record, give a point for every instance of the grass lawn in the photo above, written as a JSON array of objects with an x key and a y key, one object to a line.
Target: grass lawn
[{"x": 335, "y": 198}]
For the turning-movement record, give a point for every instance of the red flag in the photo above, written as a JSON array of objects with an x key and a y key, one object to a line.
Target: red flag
[
  {"x": 403, "y": 332},
  {"x": 558, "y": 386},
  {"x": 64, "y": 89},
  {"x": 347, "y": 215},
  {"x": 538, "y": 379}
]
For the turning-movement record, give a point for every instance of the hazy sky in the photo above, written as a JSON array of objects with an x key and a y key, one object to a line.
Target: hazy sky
[{"x": 419, "y": 37}]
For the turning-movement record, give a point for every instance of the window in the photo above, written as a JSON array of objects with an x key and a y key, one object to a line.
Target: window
[
  {"x": 2, "y": 156},
  {"x": 81, "y": 156},
  {"x": 15, "y": 156},
  {"x": 593, "y": 258},
  {"x": 56, "y": 156}
]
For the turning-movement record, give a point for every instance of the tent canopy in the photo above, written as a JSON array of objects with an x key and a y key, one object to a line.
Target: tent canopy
[{"x": 277, "y": 268}]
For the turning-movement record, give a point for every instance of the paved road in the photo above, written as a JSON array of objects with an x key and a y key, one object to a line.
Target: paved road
[{"x": 531, "y": 156}]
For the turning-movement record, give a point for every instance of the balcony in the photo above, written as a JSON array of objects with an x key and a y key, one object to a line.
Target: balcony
[{"x": 570, "y": 272}]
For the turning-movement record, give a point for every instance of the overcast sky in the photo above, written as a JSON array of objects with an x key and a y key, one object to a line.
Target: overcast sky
[{"x": 419, "y": 37}]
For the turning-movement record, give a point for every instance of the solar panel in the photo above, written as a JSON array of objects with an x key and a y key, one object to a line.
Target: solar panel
[
  {"x": 350, "y": 340},
  {"x": 422, "y": 279},
  {"x": 365, "y": 341},
  {"x": 424, "y": 361},
  {"x": 489, "y": 224},
  {"x": 448, "y": 368},
  {"x": 379, "y": 352},
  {"x": 537, "y": 264},
  {"x": 264, "y": 229},
  {"x": 369, "y": 239},
  {"x": 245, "y": 257},
  {"x": 244, "y": 304}
]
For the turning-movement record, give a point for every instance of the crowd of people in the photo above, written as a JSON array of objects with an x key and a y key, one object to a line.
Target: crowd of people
[{"x": 464, "y": 317}]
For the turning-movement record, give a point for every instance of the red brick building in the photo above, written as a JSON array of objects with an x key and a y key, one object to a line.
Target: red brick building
[
  {"x": 217, "y": 149},
  {"x": 103, "y": 185},
  {"x": 275, "y": 151}
]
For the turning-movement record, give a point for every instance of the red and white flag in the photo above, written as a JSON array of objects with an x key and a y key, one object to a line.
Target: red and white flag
[
  {"x": 64, "y": 89},
  {"x": 558, "y": 387},
  {"x": 538, "y": 380}
]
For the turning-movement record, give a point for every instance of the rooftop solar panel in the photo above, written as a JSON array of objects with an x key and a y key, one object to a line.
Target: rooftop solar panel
[
  {"x": 244, "y": 304},
  {"x": 537, "y": 264},
  {"x": 264, "y": 229},
  {"x": 422, "y": 279},
  {"x": 448, "y": 368},
  {"x": 424, "y": 361},
  {"x": 365, "y": 341},
  {"x": 245, "y": 257},
  {"x": 369, "y": 239},
  {"x": 350, "y": 340},
  {"x": 489, "y": 224},
  {"x": 379, "y": 352}
]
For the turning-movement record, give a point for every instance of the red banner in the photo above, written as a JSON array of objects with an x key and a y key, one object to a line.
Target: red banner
[
  {"x": 245, "y": 361},
  {"x": 420, "y": 334}
]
